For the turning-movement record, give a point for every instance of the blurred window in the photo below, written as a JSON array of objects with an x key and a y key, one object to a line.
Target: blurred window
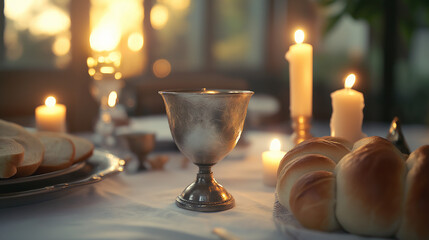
[
  {"x": 187, "y": 35},
  {"x": 239, "y": 33},
  {"x": 178, "y": 29},
  {"x": 117, "y": 35},
  {"x": 36, "y": 34}
]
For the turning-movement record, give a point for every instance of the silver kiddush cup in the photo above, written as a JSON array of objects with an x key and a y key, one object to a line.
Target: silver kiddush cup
[{"x": 206, "y": 125}]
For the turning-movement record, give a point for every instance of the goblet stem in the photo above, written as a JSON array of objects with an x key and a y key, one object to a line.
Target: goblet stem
[
  {"x": 142, "y": 159},
  {"x": 205, "y": 169},
  {"x": 205, "y": 175}
]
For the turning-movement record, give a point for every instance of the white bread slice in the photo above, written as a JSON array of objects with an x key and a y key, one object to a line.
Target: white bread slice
[
  {"x": 11, "y": 155},
  {"x": 34, "y": 148},
  {"x": 59, "y": 152},
  {"x": 83, "y": 147}
]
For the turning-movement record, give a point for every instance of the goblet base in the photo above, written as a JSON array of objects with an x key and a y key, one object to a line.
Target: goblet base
[
  {"x": 205, "y": 195},
  {"x": 205, "y": 206}
]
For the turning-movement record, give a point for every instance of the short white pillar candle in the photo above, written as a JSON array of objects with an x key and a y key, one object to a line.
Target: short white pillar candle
[
  {"x": 51, "y": 116},
  {"x": 271, "y": 160}
]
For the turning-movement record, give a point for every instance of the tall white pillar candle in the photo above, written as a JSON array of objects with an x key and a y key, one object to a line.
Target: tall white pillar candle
[
  {"x": 300, "y": 57},
  {"x": 347, "y": 115}
]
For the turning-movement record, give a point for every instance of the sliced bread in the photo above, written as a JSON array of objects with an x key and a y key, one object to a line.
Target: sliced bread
[
  {"x": 83, "y": 147},
  {"x": 34, "y": 149},
  {"x": 11, "y": 155},
  {"x": 59, "y": 152}
]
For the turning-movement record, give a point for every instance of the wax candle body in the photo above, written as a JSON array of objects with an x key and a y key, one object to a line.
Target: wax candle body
[
  {"x": 347, "y": 115},
  {"x": 51, "y": 118},
  {"x": 300, "y": 57},
  {"x": 271, "y": 161}
]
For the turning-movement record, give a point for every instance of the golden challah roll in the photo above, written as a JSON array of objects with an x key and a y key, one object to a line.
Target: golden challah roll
[
  {"x": 370, "y": 183},
  {"x": 312, "y": 201},
  {"x": 342, "y": 141},
  {"x": 415, "y": 218},
  {"x": 297, "y": 167},
  {"x": 333, "y": 150},
  {"x": 375, "y": 141}
]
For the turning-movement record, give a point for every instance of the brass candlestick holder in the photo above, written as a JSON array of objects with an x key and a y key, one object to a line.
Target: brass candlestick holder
[{"x": 301, "y": 126}]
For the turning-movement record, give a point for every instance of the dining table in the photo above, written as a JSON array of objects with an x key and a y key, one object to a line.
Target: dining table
[{"x": 141, "y": 205}]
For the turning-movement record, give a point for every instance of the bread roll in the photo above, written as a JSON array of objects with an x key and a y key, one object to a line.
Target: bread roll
[
  {"x": 342, "y": 141},
  {"x": 415, "y": 219},
  {"x": 11, "y": 155},
  {"x": 379, "y": 141},
  {"x": 59, "y": 152},
  {"x": 333, "y": 150},
  {"x": 297, "y": 167},
  {"x": 34, "y": 149},
  {"x": 312, "y": 201},
  {"x": 370, "y": 183}
]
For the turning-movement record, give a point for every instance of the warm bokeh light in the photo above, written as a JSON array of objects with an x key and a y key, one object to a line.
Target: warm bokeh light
[
  {"x": 113, "y": 96},
  {"x": 161, "y": 68},
  {"x": 123, "y": 20},
  {"x": 97, "y": 76},
  {"x": 61, "y": 46},
  {"x": 18, "y": 9},
  {"x": 91, "y": 72},
  {"x": 51, "y": 21},
  {"x": 106, "y": 117},
  {"x": 115, "y": 57},
  {"x": 299, "y": 36},
  {"x": 118, "y": 75},
  {"x": 90, "y": 62},
  {"x": 158, "y": 16},
  {"x": 107, "y": 70},
  {"x": 350, "y": 81},
  {"x": 50, "y": 101},
  {"x": 31, "y": 24},
  {"x": 105, "y": 37},
  {"x": 135, "y": 41},
  {"x": 275, "y": 145},
  {"x": 127, "y": 14}
]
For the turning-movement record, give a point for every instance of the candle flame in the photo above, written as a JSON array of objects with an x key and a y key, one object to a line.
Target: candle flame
[
  {"x": 299, "y": 36},
  {"x": 275, "y": 145},
  {"x": 111, "y": 101},
  {"x": 50, "y": 101},
  {"x": 350, "y": 81}
]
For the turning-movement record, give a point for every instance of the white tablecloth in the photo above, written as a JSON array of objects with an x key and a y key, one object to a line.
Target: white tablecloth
[{"x": 141, "y": 206}]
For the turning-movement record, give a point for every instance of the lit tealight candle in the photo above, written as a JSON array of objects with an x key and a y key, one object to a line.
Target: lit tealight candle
[
  {"x": 347, "y": 115},
  {"x": 51, "y": 116},
  {"x": 271, "y": 160},
  {"x": 300, "y": 57}
]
